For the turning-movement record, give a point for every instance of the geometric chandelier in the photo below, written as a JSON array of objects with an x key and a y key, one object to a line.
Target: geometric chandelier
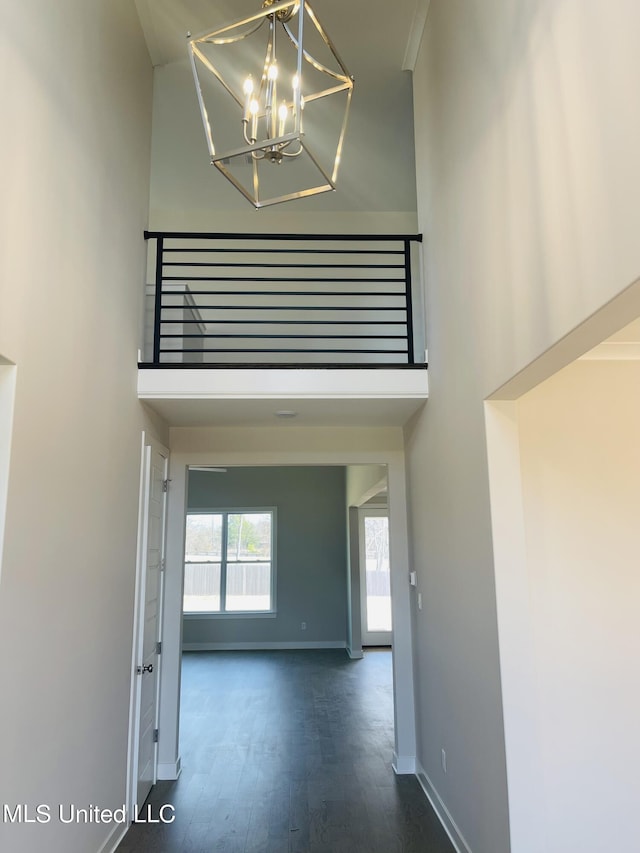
[{"x": 274, "y": 96}]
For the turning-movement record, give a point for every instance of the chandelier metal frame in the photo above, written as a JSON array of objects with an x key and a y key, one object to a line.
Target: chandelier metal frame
[{"x": 270, "y": 133}]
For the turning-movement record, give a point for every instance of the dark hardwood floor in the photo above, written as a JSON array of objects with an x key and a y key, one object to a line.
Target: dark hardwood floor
[{"x": 288, "y": 752}]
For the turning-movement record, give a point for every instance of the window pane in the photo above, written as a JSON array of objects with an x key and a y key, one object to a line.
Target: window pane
[
  {"x": 378, "y": 575},
  {"x": 201, "y": 588},
  {"x": 203, "y": 541},
  {"x": 249, "y": 536},
  {"x": 248, "y": 586}
]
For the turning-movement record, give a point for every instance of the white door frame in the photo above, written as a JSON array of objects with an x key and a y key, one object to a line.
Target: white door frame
[
  {"x": 147, "y": 444},
  {"x": 7, "y": 400},
  {"x": 404, "y": 756},
  {"x": 369, "y": 638}
]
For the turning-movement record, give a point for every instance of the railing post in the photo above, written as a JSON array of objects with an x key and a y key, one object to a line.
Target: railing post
[
  {"x": 157, "y": 318},
  {"x": 409, "y": 300}
]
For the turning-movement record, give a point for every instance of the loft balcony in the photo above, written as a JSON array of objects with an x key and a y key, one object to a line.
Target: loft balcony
[{"x": 325, "y": 325}]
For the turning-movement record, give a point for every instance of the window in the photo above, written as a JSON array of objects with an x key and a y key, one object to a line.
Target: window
[{"x": 229, "y": 562}]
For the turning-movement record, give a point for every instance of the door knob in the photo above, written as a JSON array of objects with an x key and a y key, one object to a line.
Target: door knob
[{"x": 146, "y": 668}]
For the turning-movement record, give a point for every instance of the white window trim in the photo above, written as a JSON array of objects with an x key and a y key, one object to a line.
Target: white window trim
[{"x": 240, "y": 614}]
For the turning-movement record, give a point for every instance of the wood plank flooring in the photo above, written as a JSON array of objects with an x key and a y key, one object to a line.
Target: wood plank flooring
[{"x": 288, "y": 752}]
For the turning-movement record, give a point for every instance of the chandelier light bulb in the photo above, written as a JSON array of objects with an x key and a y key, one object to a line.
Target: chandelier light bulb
[
  {"x": 247, "y": 88},
  {"x": 283, "y": 112},
  {"x": 272, "y": 73},
  {"x": 254, "y": 106}
]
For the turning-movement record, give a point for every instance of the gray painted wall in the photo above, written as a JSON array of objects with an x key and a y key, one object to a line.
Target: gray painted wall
[
  {"x": 71, "y": 259},
  {"x": 528, "y": 176},
  {"x": 311, "y": 552}
]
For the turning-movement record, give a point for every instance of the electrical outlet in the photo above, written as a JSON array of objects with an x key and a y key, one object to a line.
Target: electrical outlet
[
  {"x": 444, "y": 761},
  {"x": 303, "y": 626}
]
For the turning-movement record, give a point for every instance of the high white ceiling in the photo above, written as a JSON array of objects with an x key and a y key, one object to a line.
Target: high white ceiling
[
  {"x": 262, "y": 413},
  {"x": 371, "y": 35}
]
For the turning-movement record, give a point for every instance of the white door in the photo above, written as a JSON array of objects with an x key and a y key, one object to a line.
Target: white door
[
  {"x": 149, "y": 610},
  {"x": 375, "y": 577}
]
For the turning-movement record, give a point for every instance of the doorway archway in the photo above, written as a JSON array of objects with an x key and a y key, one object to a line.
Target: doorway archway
[{"x": 184, "y": 455}]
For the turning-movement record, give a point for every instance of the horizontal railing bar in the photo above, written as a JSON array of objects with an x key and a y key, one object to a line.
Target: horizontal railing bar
[
  {"x": 236, "y": 264},
  {"x": 289, "y": 308},
  {"x": 283, "y": 336},
  {"x": 266, "y": 322},
  {"x": 307, "y": 351},
  {"x": 222, "y": 235},
  {"x": 344, "y": 280},
  {"x": 288, "y": 251},
  {"x": 395, "y": 293}
]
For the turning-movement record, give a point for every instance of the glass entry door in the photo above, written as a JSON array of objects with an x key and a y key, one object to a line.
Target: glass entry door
[{"x": 375, "y": 577}]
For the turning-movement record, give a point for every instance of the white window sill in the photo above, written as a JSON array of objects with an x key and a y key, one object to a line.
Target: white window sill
[{"x": 256, "y": 614}]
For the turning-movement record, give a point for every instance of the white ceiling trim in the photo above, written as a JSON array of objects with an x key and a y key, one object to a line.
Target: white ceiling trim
[
  {"x": 614, "y": 351},
  {"x": 415, "y": 34},
  {"x": 283, "y": 384}
]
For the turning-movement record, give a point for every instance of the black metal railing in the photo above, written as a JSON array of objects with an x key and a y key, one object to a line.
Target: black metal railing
[{"x": 280, "y": 300}]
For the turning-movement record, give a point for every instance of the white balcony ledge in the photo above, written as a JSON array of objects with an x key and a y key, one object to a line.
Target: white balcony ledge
[{"x": 252, "y": 396}]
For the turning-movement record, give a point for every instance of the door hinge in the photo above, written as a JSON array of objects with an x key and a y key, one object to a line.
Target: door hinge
[
  {"x": 163, "y": 564},
  {"x": 155, "y": 735},
  {"x": 165, "y": 485},
  {"x": 159, "y": 648}
]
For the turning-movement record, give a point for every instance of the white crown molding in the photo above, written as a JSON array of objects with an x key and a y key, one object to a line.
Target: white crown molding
[
  {"x": 614, "y": 351},
  {"x": 415, "y": 34}
]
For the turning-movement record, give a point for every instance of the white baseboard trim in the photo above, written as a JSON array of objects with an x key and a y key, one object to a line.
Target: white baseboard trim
[
  {"x": 404, "y": 765},
  {"x": 240, "y": 647},
  {"x": 451, "y": 828},
  {"x": 170, "y": 771},
  {"x": 115, "y": 837},
  {"x": 357, "y": 655}
]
